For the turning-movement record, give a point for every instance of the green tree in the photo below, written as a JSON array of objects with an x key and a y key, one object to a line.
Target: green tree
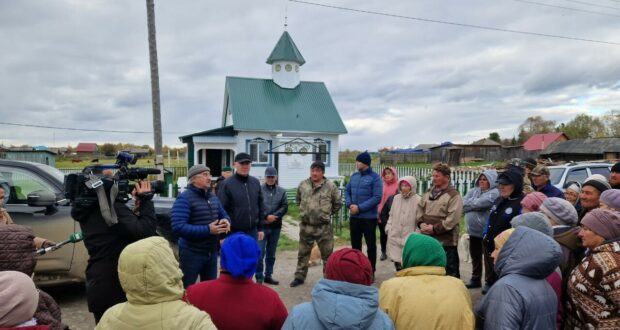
[
  {"x": 583, "y": 126},
  {"x": 108, "y": 149},
  {"x": 495, "y": 137}
]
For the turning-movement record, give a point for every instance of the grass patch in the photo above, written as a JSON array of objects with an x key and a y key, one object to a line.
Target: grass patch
[
  {"x": 287, "y": 244},
  {"x": 293, "y": 210}
]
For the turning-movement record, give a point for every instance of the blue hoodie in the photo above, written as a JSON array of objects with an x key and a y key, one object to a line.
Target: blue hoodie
[
  {"x": 477, "y": 204},
  {"x": 340, "y": 305}
]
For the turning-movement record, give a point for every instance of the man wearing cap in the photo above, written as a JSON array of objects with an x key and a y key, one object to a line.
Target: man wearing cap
[
  {"x": 242, "y": 198},
  {"x": 614, "y": 176},
  {"x": 197, "y": 219},
  {"x": 591, "y": 191},
  {"x": 226, "y": 173},
  {"x": 276, "y": 206},
  {"x": 363, "y": 195},
  {"x": 540, "y": 179},
  {"x": 318, "y": 198}
]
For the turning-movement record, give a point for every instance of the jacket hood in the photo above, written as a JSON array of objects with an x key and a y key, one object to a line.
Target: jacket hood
[
  {"x": 529, "y": 253},
  {"x": 343, "y": 305},
  {"x": 394, "y": 170},
  {"x": 491, "y": 176},
  {"x": 411, "y": 180},
  {"x": 149, "y": 273}
]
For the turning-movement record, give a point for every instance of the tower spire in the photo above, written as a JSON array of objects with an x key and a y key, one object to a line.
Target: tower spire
[{"x": 285, "y": 16}]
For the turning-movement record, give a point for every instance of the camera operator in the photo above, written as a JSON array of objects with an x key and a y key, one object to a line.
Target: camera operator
[{"x": 106, "y": 242}]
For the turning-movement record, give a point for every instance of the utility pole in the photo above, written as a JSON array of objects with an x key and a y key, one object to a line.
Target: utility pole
[{"x": 159, "y": 157}]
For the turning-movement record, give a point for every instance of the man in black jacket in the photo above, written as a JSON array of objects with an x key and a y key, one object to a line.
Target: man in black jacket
[
  {"x": 276, "y": 206},
  {"x": 105, "y": 242},
  {"x": 242, "y": 199}
]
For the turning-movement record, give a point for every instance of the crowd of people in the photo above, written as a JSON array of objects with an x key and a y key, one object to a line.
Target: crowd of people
[{"x": 550, "y": 257}]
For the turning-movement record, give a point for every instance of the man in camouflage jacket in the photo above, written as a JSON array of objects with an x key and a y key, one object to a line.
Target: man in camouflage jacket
[{"x": 318, "y": 198}]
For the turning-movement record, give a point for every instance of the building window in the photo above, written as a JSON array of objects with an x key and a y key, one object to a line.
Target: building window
[
  {"x": 257, "y": 149},
  {"x": 288, "y": 68}
]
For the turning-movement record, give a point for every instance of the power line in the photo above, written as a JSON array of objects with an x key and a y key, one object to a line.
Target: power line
[
  {"x": 83, "y": 129},
  {"x": 567, "y": 8},
  {"x": 593, "y": 4},
  {"x": 473, "y": 26}
]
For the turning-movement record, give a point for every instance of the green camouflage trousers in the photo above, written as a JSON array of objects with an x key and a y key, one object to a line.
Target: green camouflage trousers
[{"x": 324, "y": 237}]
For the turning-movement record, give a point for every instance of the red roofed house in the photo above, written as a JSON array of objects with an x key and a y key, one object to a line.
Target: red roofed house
[
  {"x": 86, "y": 149},
  {"x": 539, "y": 142}
]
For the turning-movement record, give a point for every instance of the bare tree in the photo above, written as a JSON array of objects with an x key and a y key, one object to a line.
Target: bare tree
[{"x": 150, "y": 14}]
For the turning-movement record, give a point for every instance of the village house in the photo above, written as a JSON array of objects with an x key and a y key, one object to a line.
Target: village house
[
  {"x": 282, "y": 122},
  {"x": 584, "y": 149}
]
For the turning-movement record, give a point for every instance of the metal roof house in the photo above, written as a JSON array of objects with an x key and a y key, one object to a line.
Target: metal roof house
[
  {"x": 282, "y": 122},
  {"x": 584, "y": 149}
]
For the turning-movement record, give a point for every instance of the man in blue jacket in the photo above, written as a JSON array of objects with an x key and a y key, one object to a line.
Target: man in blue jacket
[
  {"x": 542, "y": 183},
  {"x": 362, "y": 196},
  {"x": 198, "y": 218}
]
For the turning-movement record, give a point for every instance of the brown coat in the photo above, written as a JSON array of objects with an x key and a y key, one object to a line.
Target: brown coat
[
  {"x": 442, "y": 212},
  {"x": 5, "y": 219}
]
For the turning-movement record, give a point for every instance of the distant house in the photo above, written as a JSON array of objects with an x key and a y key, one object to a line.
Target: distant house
[
  {"x": 425, "y": 146},
  {"x": 87, "y": 149},
  {"x": 281, "y": 122},
  {"x": 419, "y": 154},
  {"x": 538, "y": 142},
  {"x": 584, "y": 149},
  {"x": 46, "y": 157}
]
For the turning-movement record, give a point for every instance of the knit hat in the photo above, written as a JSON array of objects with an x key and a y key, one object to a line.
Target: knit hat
[
  {"x": 560, "y": 210},
  {"x": 423, "y": 250},
  {"x": 502, "y": 238},
  {"x": 349, "y": 265},
  {"x": 17, "y": 242},
  {"x": 616, "y": 168},
  {"x": 226, "y": 169},
  {"x": 239, "y": 255},
  {"x": 197, "y": 169},
  {"x": 533, "y": 200},
  {"x": 611, "y": 197},
  {"x": 364, "y": 157},
  {"x": 535, "y": 220},
  {"x": 597, "y": 181},
  {"x": 605, "y": 223},
  {"x": 575, "y": 186},
  {"x": 19, "y": 298}
]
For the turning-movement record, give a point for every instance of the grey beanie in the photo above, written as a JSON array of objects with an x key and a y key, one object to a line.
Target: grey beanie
[
  {"x": 597, "y": 181},
  {"x": 560, "y": 210},
  {"x": 611, "y": 197},
  {"x": 534, "y": 220},
  {"x": 196, "y": 169}
]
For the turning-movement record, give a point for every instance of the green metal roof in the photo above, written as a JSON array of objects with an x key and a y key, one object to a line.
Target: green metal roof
[
  {"x": 261, "y": 105},
  {"x": 286, "y": 50}
]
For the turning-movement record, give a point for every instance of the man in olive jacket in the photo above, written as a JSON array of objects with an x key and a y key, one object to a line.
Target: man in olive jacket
[
  {"x": 439, "y": 213},
  {"x": 318, "y": 198}
]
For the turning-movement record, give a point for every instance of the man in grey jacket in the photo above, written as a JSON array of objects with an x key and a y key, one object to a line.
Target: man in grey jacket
[{"x": 276, "y": 206}]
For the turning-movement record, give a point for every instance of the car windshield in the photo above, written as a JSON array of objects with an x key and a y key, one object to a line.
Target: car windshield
[
  {"x": 54, "y": 172},
  {"x": 555, "y": 175}
]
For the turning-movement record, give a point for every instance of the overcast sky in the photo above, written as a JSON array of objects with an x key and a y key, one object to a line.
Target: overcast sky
[{"x": 84, "y": 64}]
